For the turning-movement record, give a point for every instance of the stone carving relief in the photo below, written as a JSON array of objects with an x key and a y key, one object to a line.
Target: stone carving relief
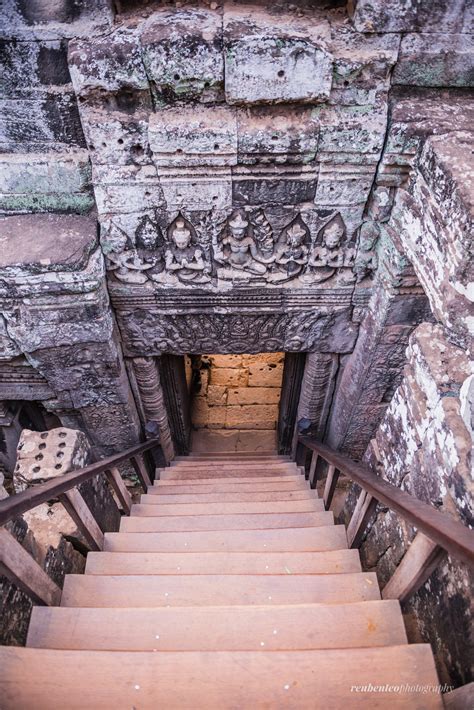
[
  {"x": 291, "y": 252},
  {"x": 379, "y": 209},
  {"x": 183, "y": 258},
  {"x": 241, "y": 247},
  {"x": 331, "y": 255},
  {"x": 151, "y": 332}
]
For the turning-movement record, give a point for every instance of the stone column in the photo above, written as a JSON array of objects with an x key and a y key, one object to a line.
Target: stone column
[
  {"x": 151, "y": 394},
  {"x": 317, "y": 390}
]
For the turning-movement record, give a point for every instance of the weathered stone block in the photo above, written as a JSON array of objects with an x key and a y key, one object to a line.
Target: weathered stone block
[
  {"x": 50, "y": 20},
  {"x": 217, "y": 417},
  {"x": 435, "y": 60},
  {"x": 268, "y": 375},
  {"x": 189, "y": 136},
  {"x": 182, "y": 54},
  {"x": 31, "y": 66},
  {"x": 226, "y": 360},
  {"x": 200, "y": 412},
  {"x": 229, "y": 377},
  {"x": 217, "y": 395},
  {"x": 40, "y": 123},
  {"x": 110, "y": 64},
  {"x": 116, "y": 138},
  {"x": 39, "y": 183},
  {"x": 276, "y": 70},
  {"x": 410, "y": 15},
  {"x": 254, "y": 395},
  {"x": 280, "y": 134},
  {"x": 48, "y": 454},
  {"x": 256, "y": 416}
]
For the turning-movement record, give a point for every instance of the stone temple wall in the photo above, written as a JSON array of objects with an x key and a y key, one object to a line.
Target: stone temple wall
[
  {"x": 235, "y": 403},
  {"x": 424, "y": 442},
  {"x": 239, "y": 177}
]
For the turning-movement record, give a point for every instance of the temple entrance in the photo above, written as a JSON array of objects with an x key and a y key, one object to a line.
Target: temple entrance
[{"x": 235, "y": 401}]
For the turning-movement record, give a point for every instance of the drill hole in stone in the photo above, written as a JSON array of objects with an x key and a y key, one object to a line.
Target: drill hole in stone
[
  {"x": 281, "y": 73},
  {"x": 41, "y": 446},
  {"x": 136, "y": 150},
  {"x": 62, "y": 445},
  {"x": 120, "y": 141},
  {"x": 44, "y": 435},
  {"x": 36, "y": 469},
  {"x": 39, "y": 457},
  {"x": 176, "y": 77},
  {"x": 58, "y": 466},
  {"x": 62, "y": 434},
  {"x": 179, "y": 151},
  {"x": 274, "y": 138}
]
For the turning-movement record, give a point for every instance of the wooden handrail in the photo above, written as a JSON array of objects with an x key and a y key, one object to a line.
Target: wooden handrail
[
  {"x": 21, "y": 502},
  {"x": 452, "y": 536}
]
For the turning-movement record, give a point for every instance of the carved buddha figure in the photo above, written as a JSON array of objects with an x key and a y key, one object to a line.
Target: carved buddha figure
[
  {"x": 125, "y": 263},
  {"x": 366, "y": 260},
  {"x": 291, "y": 256},
  {"x": 327, "y": 257},
  {"x": 183, "y": 258},
  {"x": 239, "y": 249}
]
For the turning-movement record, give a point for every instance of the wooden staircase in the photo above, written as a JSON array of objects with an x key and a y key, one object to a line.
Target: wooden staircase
[{"x": 229, "y": 586}]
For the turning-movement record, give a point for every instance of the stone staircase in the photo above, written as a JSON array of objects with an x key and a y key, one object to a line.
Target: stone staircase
[{"x": 229, "y": 586}]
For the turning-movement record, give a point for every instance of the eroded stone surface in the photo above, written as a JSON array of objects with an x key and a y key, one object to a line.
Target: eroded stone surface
[{"x": 49, "y": 454}]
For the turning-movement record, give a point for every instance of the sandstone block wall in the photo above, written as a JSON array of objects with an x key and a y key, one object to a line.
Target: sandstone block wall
[{"x": 235, "y": 401}]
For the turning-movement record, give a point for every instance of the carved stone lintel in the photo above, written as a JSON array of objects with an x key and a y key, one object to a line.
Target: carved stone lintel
[{"x": 151, "y": 393}]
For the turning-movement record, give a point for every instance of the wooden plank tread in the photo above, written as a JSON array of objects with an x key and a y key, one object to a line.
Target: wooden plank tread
[
  {"x": 223, "y": 508},
  {"x": 225, "y": 522},
  {"x": 122, "y": 563},
  {"x": 227, "y": 628},
  {"x": 216, "y": 680},
  {"x": 331, "y": 537},
  {"x": 216, "y": 590}
]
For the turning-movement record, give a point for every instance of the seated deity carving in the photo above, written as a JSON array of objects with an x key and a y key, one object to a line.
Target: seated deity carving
[
  {"x": 238, "y": 249},
  {"x": 123, "y": 261},
  {"x": 328, "y": 254},
  {"x": 366, "y": 260},
  {"x": 291, "y": 253},
  {"x": 150, "y": 245},
  {"x": 184, "y": 259}
]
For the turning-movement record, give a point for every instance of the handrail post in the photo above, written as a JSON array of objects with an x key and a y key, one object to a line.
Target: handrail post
[
  {"x": 418, "y": 563},
  {"x": 312, "y": 470},
  {"x": 330, "y": 486},
  {"x": 20, "y": 567}
]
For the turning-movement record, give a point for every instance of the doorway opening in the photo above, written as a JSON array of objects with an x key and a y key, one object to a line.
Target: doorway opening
[{"x": 235, "y": 401}]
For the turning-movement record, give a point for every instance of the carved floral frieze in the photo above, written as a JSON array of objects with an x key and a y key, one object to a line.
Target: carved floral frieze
[{"x": 240, "y": 248}]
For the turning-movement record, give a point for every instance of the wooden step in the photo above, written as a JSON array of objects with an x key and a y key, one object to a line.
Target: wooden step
[
  {"x": 175, "y": 487},
  {"x": 192, "y": 523},
  {"x": 176, "y": 474},
  {"x": 291, "y": 506},
  {"x": 230, "y": 455},
  {"x": 232, "y": 497},
  {"x": 228, "y": 486},
  {"x": 217, "y": 680},
  {"x": 241, "y": 463},
  {"x": 332, "y": 537},
  {"x": 216, "y": 590},
  {"x": 122, "y": 563},
  {"x": 237, "y": 628}
]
